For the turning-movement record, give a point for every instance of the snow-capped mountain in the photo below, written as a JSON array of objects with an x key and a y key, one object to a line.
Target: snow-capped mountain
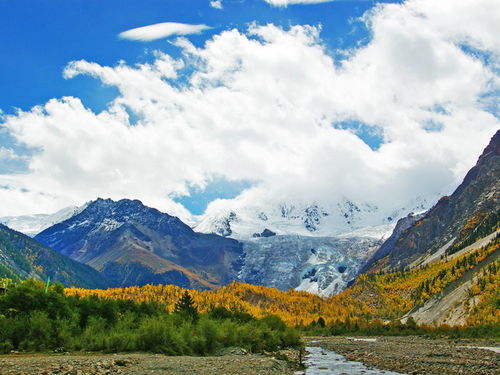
[
  {"x": 311, "y": 247},
  {"x": 230, "y": 219},
  {"x": 31, "y": 225}
]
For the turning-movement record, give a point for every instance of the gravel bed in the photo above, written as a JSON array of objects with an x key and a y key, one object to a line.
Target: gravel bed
[
  {"x": 417, "y": 355},
  {"x": 141, "y": 364}
]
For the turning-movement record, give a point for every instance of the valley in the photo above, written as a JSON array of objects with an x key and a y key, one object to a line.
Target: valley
[
  {"x": 129, "y": 278},
  {"x": 250, "y": 187}
]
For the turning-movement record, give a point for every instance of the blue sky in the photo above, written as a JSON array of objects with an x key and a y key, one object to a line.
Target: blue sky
[
  {"x": 39, "y": 37},
  {"x": 376, "y": 83}
]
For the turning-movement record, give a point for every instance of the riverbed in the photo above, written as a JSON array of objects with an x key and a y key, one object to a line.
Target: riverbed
[{"x": 416, "y": 355}]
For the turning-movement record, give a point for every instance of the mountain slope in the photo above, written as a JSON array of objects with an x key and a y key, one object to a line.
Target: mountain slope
[
  {"x": 402, "y": 225},
  {"x": 452, "y": 304},
  {"x": 371, "y": 298},
  {"x": 449, "y": 291},
  {"x": 22, "y": 257},
  {"x": 472, "y": 211},
  {"x": 134, "y": 244}
]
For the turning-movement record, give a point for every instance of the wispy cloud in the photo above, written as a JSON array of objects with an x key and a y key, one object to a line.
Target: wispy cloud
[
  {"x": 161, "y": 30},
  {"x": 216, "y": 4},
  {"x": 284, "y": 3}
]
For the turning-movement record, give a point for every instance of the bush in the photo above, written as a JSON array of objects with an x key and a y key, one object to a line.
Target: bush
[{"x": 40, "y": 332}]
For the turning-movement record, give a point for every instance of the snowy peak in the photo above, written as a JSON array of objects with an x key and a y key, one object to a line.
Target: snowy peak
[
  {"x": 31, "y": 225},
  {"x": 242, "y": 222},
  {"x": 310, "y": 247},
  {"x": 312, "y": 218},
  {"x": 109, "y": 215}
]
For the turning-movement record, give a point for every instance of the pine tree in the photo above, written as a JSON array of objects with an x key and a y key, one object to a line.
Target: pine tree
[{"x": 186, "y": 307}]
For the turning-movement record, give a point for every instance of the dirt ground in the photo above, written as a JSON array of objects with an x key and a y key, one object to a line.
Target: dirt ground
[{"x": 417, "y": 355}]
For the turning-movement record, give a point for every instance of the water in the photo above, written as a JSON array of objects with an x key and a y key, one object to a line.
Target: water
[{"x": 320, "y": 361}]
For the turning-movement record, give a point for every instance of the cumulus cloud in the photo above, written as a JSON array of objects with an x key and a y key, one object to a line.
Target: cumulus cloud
[
  {"x": 161, "y": 30},
  {"x": 269, "y": 105},
  {"x": 216, "y": 4}
]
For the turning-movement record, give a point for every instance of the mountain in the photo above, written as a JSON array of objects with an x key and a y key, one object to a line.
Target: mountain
[
  {"x": 461, "y": 290},
  {"x": 471, "y": 212},
  {"x": 132, "y": 244},
  {"x": 34, "y": 224},
  {"x": 458, "y": 289},
  {"x": 22, "y": 257},
  {"x": 474, "y": 294}
]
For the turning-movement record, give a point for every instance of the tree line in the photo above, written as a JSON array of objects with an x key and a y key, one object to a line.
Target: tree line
[{"x": 35, "y": 319}]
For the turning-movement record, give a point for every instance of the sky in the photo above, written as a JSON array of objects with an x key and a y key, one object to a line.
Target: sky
[{"x": 188, "y": 105}]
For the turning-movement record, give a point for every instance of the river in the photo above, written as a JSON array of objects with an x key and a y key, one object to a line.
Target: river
[{"x": 320, "y": 361}]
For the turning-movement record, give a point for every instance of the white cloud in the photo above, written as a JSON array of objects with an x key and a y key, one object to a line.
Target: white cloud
[
  {"x": 284, "y": 3},
  {"x": 161, "y": 30},
  {"x": 262, "y": 105},
  {"x": 216, "y": 4}
]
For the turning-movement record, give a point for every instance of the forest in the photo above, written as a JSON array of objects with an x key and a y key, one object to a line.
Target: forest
[{"x": 36, "y": 317}]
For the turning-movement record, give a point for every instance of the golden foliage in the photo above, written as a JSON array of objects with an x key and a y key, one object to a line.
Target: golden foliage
[{"x": 375, "y": 296}]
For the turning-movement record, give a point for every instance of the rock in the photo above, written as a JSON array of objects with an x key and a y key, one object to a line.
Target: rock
[{"x": 122, "y": 362}]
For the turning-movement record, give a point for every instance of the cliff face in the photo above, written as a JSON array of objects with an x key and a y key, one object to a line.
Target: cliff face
[
  {"x": 401, "y": 227},
  {"x": 456, "y": 220}
]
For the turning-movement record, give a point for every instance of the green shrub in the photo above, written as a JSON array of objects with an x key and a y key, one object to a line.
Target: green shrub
[{"x": 210, "y": 333}]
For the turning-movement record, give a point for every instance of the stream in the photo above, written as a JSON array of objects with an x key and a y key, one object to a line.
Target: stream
[{"x": 320, "y": 361}]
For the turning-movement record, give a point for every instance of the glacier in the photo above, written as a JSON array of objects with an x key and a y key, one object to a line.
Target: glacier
[
  {"x": 319, "y": 265},
  {"x": 309, "y": 247}
]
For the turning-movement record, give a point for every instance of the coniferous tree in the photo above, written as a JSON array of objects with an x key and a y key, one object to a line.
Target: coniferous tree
[{"x": 186, "y": 307}]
